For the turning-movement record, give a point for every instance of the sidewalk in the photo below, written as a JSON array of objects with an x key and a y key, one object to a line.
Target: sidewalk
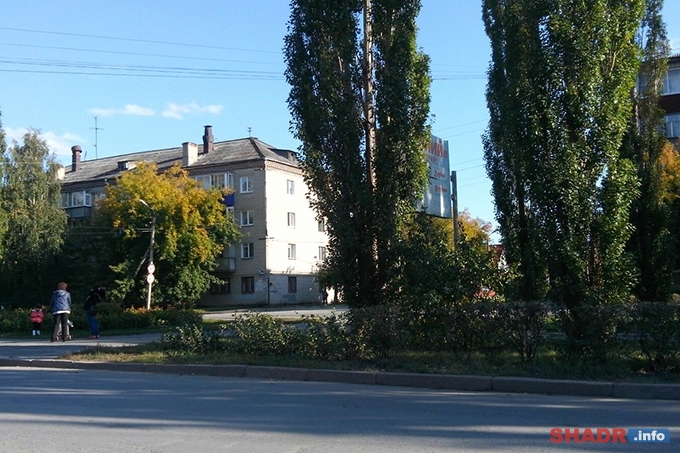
[{"x": 39, "y": 352}]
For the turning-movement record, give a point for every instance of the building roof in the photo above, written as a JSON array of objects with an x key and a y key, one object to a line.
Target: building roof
[{"x": 223, "y": 154}]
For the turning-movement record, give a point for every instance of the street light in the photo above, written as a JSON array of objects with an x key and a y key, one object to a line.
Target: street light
[{"x": 151, "y": 267}]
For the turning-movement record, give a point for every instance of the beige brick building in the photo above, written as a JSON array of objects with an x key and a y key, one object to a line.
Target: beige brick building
[{"x": 283, "y": 242}]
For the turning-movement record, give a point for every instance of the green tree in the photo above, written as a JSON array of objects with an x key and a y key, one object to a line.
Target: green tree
[
  {"x": 34, "y": 222},
  {"x": 559, "y": 98},
  {"x": 643, "y": 145},
  {"x": 3, "y": 213},
  {"x": 191, "y": 230},
  {"x": 360, "y": 103}
]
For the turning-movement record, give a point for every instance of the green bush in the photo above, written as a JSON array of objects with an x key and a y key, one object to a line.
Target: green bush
[
  {"x": 523, "y": 326},
  {"x": 191, "y": 338},
  {"x": 656, "y": 327}
]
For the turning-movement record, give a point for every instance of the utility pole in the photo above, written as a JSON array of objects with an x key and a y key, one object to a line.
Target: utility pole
[{"x": 454, "y": 209}]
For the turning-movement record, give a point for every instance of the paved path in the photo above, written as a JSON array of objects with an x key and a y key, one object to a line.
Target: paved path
[{"x": 42, "y": 348}]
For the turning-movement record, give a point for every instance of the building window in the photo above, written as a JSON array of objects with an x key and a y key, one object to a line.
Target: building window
[
  {"x": 291, "y": 251},
  {"x": 247, "y": 250},
  {"x": 216, "y": 181},
  {"x": 247, "y": 285},
  {"x": 322, "y": 253},
  {"x": 291, "y": 219},
  {"x": 672, "y": 125},
  {"x": 322, "y": 225},
  {"x": 230, "y": 211},
  {"x": 292, "y": 284},
  {"x": 221, "y": 288},
  {"x": 75, "y": 199},
  {"x": 246, "y": 184},
  {"x": 246, "y": 218},
  {"x": 672, "y": 82},
  {"x": 290, "y": 187}
]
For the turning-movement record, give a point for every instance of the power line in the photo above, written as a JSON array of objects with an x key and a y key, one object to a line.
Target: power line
[
  {"x": 140, "y": 54},
  {"x": 114, "y": 38}
]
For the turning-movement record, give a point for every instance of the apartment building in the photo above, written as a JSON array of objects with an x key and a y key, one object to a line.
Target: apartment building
[
  {"x": 670, "y": 99},
  {"x": 283, "y": 242}
]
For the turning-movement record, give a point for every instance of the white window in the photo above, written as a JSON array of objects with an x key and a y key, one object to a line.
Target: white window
[
  {"x": 75, "y": 199},
  {"x": 290, "y": 187},
  {"x": 322, "y": 253},
  {"x": 291, "y": 251},
  {"x": 672, "y": 82},
  {"x": 246, "y": 218},
  {"x": 230, "y": 211},
  {"x": 322, "y": 225},
  {"x": 216, "y": 181},
  {"x": 246, "y": 184},
  {"x": 291, "y": 219},
  {"x": 247, "y": 250},
  {"x": 672, "y": 125}
]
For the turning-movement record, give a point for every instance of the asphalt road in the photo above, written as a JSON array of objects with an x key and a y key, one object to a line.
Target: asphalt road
[{"x": 74, "y": 411}]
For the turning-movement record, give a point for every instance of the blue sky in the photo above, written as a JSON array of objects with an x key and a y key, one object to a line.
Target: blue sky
[{"x": 154, "y": 73}]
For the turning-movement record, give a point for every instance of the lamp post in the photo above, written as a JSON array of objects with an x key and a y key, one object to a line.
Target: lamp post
[{"x": 151, "y": 267}]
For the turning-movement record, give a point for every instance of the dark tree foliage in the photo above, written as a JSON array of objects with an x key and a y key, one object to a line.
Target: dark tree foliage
[
  {"x": 34, "y": 222},
  {"x": 559, "y": 98},
  {"x": 360, "y": 105},
  {"x": 643, "y": 144}
]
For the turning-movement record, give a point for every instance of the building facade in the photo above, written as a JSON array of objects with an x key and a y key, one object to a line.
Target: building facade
[
  {"x": 283, "y": 242},
  {"x": 670, "y": 99}
]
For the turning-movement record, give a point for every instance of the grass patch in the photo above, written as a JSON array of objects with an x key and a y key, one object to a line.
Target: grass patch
[{"x": 548, "y": 364}]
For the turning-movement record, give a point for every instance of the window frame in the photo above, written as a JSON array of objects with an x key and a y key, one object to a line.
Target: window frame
[
  {"x": 247, "y": 250},
  {"x": 290, "y": 219},
  {"x": 246, "y": 184},
  {"x": 292, "y": 284},
  {"x": 292, "y": 251},
  {"x": 290, "y": 187},
  {"x": 247, "y": 285},
  {"x": 249, "y": 219}
]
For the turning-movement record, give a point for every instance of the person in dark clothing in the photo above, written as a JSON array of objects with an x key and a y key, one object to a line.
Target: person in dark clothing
[
  {"x": 60, "y": 307},
  {"x": 90, "y": 308}
]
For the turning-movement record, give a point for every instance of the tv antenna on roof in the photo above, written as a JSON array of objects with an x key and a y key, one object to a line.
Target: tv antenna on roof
[
  {"x": 96, "y": 129},
  {"x": 249, "y": 131}
]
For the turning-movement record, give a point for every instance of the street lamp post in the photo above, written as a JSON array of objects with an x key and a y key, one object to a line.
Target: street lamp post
[{"x": 151, "y": 267}]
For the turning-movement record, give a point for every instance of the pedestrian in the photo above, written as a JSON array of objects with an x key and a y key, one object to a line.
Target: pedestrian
[
  {"x": 324, "y": 296},
  {"x": 60, "y": 307},
  {"x": 37, "y": 317},
  {"x": 90, "y": 308}
]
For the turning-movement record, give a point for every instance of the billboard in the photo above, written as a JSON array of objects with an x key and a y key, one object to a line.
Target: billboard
[{"x": 437, "y": 199}]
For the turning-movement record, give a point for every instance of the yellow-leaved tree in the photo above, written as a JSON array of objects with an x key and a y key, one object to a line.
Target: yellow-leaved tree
[{"x": 191, "y": 230}]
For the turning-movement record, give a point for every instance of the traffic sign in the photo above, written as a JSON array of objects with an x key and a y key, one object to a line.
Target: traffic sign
[
  {"x": 150, "y": 278},
  {"x": 151, "y": 268}
]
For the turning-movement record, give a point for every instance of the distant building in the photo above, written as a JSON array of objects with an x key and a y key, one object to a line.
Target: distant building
[
  {"x": 283, "y": 241},
  {"x": 670, "y": 99}
]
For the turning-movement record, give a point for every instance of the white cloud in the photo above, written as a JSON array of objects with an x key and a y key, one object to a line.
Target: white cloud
[
  {"x": 129, "y": 109},
  {"x": 178, "y": 111},
  {"x": 59, "y": 144}
]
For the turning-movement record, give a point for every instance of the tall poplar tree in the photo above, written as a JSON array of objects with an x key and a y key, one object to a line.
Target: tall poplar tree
[
  {"x": 3, "y": 212},
  {"x": 643, "y": 144},
  {"x": 30, "y": 195},
  {"x": 559, "y": 98},
  {"x": 360, "y": 103}
]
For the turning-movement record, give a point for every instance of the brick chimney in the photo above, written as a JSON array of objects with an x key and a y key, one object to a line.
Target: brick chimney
[
  {"x": 189, "y": 153},
  {"x": 75, "y": 161},
  {"x": 208, "y": 140}
]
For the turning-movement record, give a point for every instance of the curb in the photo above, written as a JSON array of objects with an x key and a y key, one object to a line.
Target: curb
[{"x": 431, "y": 381}]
